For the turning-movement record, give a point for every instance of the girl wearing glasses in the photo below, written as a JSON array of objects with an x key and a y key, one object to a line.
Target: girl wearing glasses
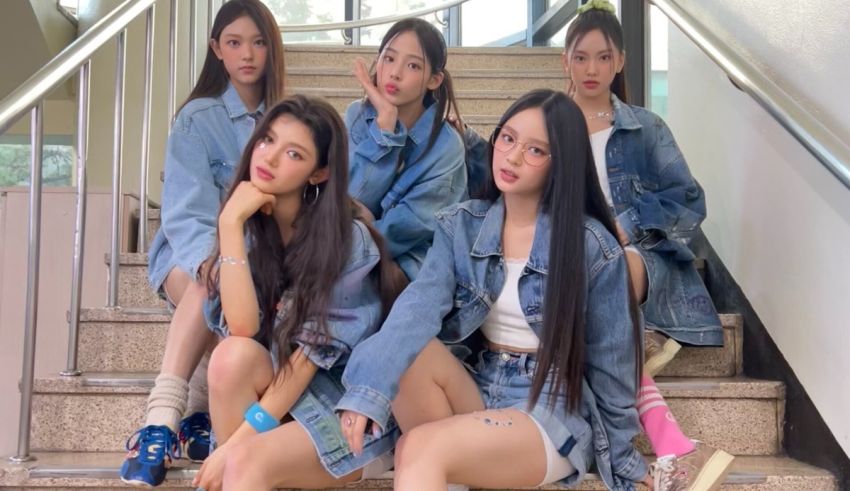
[{"x": 535, "y": 272}]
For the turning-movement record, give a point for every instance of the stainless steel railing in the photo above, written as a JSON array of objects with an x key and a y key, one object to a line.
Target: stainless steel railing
[{"x": 820, "y": 141}]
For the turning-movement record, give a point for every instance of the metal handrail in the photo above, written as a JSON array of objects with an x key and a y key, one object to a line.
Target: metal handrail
[
  {"x": 819, "y": 140},
  {"x": 374, "y": 21},
  {"x": 63, "y": 65}
]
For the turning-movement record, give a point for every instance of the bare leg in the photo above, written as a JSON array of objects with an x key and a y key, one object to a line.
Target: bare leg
[
  {"x": 240, "y": 371},
  {"x": 472, "y": 449},
  {"x": 436, "y": 386},
  {"x": 188, "y": 335},
  {"x": 282, "y": 458},
  {"x": 637, "y": 271}
]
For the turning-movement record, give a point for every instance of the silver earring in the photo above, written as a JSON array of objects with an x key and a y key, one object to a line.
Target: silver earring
[{"x": 315, "y": 195}]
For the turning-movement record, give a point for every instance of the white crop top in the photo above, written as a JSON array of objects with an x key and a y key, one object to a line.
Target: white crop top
[
  {"x": 598, "y": 142},
  {"x": 506, "y": 324}
]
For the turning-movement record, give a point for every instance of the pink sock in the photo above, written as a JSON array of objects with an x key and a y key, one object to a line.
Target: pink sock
[{"x": 658, "y": 422}]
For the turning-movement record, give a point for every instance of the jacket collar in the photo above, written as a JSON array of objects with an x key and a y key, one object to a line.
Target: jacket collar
[
  {"x": 235, "y": 107},
  {"x": 624, "y": 116},
  {"x": 489, "y": 239}
]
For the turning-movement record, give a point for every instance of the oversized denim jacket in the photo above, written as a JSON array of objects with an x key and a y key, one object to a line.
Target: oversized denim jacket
[
  {"x": 660, "y": 206},
  {"x": 401, "y": 185},
  {"x": 354, "y": 314},
  {"x": 204, "y": 148},
  {"x": 462, "y": 277}
]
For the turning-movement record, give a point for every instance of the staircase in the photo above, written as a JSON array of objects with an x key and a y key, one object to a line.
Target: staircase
[{"x": 80, "y": 424}]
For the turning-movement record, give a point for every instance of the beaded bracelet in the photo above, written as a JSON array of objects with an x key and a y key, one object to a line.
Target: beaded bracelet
[{"x": 232, "y": 260}]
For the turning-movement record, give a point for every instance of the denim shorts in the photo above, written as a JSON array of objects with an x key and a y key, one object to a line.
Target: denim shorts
[{"x": 504, "y": 381}]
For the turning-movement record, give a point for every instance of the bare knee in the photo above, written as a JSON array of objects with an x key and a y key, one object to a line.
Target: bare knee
[
  {"x": 418, "y": 447},
  {"x": 231, "y": 362}
]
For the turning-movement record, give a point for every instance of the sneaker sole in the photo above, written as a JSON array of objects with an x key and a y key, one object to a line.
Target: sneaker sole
[
  {"x": 713, "y": 472},
  {"x": 137, "y": 484},
  {"x": 654, "y": 365}
]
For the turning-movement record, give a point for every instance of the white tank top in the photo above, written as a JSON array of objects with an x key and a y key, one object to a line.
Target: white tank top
[
  {"x": 506, "y": 324},
  {"x": 598, "y": 142}
]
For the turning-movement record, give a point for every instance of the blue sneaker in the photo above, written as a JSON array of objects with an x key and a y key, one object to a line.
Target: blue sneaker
[
  {"x": 150, "y": 456},
  {"x": 195, "y": 436}
]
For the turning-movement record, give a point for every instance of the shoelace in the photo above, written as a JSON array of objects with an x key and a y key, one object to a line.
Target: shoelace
[
  {"x": 663, "y": 471},
  {"x": 154, "y": 443},
  {"x": 197, "y": 426}
]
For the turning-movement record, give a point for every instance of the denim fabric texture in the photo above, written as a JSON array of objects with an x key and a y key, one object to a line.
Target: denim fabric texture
[
  {"x": 660, "y": 206},
  {"x": 204, "y": 148},
  {"x": 462, "y": 276},
  {"x": 354, "y": 314},
  {"x": 399, "y": 183}
]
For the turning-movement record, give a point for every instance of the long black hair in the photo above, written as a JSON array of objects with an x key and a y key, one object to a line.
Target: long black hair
[
  {"x": 213, "y": 78},
  {"x": 571, "y": 194},
  {"x": 437, "y": 54},
  {"x": 304, "y": 268},
  {"x": 611, "y": 28}
]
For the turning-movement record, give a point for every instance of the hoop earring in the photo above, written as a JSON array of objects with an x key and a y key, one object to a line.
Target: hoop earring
[{"x": 315, "y": 196}]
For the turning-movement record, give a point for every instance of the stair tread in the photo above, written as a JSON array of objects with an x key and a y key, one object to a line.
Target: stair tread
[
  {"x": 459, "y": 73},
  {"x": 672, "y": 387},
  {"x": 100, "y": 469}
]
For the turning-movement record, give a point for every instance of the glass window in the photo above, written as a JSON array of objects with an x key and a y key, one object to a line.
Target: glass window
[
  {"x": 485, "y": 22},
  {"x": 57, "y": 164},
  {"x": 309, "y": 12}
]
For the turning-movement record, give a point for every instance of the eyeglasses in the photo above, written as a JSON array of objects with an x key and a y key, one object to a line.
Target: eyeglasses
[{"x": 505, "y": 141}]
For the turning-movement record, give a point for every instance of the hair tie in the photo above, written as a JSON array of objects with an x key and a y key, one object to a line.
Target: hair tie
[{"x": 597, "y": 5}]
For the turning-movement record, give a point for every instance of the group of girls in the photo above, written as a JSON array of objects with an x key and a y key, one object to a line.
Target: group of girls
[{"x": 362, "y": 315}]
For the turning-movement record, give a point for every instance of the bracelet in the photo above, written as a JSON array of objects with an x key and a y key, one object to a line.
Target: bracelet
[
  {"x": 232, "y": 260},
  {"x": 260, "y": 419}
]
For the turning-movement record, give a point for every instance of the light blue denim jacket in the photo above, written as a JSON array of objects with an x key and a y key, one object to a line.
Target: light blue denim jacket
[
  {"x": 204, "y": 148},
  {"x": 354, "y": 314},
  {"x": 402, "y": 187},
  {"x": 661, "y": 206},
  {"x": 462, "y": 277}
]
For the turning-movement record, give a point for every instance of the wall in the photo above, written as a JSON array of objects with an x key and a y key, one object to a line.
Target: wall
[
  {"x": 779, "y": 220},
  {"x": 57, "y": 248}
]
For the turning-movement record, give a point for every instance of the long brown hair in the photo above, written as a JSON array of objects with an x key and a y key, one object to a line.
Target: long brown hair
[
  {"x": 611, "y": 28},
  {"x": 571, "y": 194},
  {"x": 437, "y": 54},
  {"x": 304, "y": 268},
  {"x": 213, "y": 78}
]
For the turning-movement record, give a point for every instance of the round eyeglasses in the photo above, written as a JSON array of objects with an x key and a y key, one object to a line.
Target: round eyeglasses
[{"x": 505, "y": 141}]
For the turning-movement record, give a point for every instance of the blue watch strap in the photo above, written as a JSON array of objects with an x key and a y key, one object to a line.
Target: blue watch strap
[{"x": 260, "y": 419}]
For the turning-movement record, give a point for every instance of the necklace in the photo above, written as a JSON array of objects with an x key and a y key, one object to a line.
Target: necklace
[{"x": 600, "y": 115}]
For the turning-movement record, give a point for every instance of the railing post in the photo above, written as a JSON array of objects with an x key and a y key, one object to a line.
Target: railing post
[
  {"x": 117, "y": 144},
  {"x": 80, "y": 228},
  {"x": 635, "y": 18},
  {"x": 27, "y": 372},
  {"x": 352, "y": 12},
  {"x": 454, "y": 28},
  {"x": 193, "y": 41},
  {"x": 146, "y": 133},
  {"x": 172, "y": 61}
]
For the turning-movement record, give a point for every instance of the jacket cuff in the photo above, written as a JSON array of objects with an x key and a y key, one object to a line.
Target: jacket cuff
[
  {"x": 368, "y": 402},
  {"x": 633, "y": 468},
  {"x": 630, "y": 223}
]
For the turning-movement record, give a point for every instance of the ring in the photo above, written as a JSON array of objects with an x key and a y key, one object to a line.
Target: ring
[{"x": 349, "y": 421}]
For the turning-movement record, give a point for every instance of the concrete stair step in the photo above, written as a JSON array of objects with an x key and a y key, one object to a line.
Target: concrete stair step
[
  {"x": 133, "y": 339},
  {"x": 463, "y": 79},
  {"x": 75, "y": 470},
  {"x": 134, "y": 290},
  {"x": 98, "y": 411},
  {"x": 514, "y": 58}
]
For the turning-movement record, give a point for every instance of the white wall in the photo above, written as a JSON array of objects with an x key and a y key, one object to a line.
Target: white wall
[{"x": 778, "y": 219}]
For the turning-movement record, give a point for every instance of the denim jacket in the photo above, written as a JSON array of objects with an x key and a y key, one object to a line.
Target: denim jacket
[
  {"x": 401, "y": 186},
  {"x": 354, "y": 314},
  {"x": 204, "y": 148},
  {"x": 660, "y": 206},
  {"x": 462, "y": 277}
]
